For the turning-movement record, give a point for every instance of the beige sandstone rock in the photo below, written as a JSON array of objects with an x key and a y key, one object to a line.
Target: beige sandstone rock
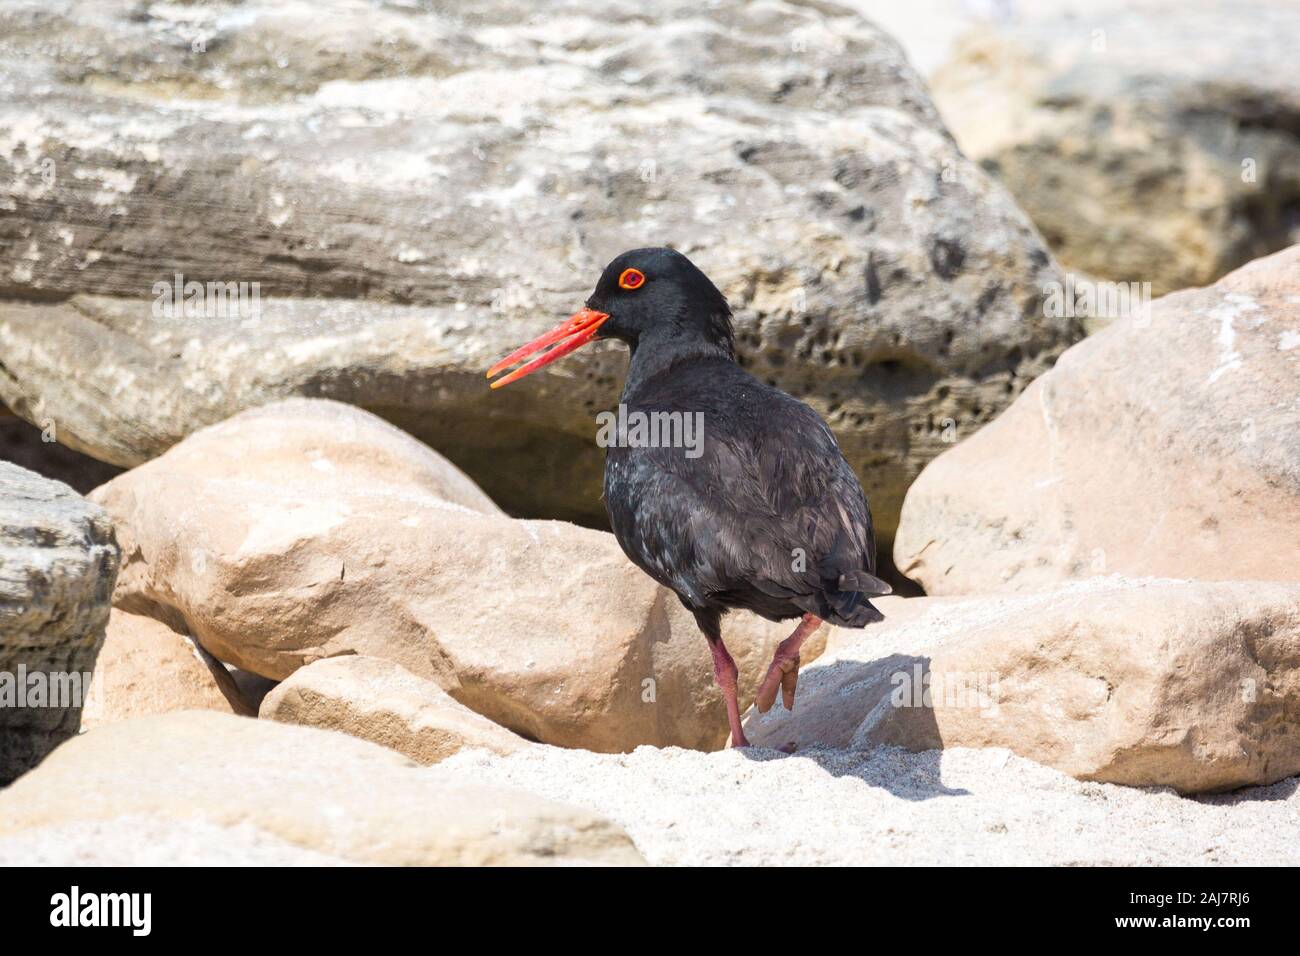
[
  {"x": 296, "y": 441},
  {"x": 146, "y": 668},
  {"x": 1169, "y": 447},
  {"x": 1185, "y": 684},
  {"x": 275, "y": 551},
  {"x": 418, "y": 190},
  {"x": 319, "y": 791},
  {"x": 58, "y": 562},
  {"x": 383, "y": 702}
]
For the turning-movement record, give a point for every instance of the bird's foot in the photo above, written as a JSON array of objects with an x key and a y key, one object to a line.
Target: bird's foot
[
  {"x": 783, "y": 674},
  {"x": 737, "y": 739}
]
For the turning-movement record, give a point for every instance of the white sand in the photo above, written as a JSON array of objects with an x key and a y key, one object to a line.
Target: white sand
[
  {"x": 147, "y": 841},
  {"x": 891, "y": 807}
]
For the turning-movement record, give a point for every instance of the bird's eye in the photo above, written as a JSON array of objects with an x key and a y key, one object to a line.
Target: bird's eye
[{"x": 631, "y": 279}]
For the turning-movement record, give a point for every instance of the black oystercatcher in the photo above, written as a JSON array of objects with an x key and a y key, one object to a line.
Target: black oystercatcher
[{"x": 749, "y": 503}]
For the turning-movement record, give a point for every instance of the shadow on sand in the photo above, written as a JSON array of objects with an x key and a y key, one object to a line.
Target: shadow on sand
[{"x": 844, "y": 717}]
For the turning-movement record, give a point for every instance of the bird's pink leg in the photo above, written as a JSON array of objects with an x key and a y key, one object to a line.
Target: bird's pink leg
[
  {"x": 783, "y": 672},
  {"x": 725, "y": 673}
]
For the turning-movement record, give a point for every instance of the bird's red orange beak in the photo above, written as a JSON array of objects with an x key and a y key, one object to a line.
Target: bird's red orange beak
[{"x": 571, "y": 334}]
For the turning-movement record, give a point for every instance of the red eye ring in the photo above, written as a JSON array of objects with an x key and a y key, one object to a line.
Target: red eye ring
[{"x": 631, "y": 279}]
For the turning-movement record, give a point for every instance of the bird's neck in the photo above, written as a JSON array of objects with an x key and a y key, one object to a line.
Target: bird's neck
[{"x": 655, "y": 354}]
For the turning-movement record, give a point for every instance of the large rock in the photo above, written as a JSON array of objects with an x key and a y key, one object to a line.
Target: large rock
[
  {"x": 147, "y": 668},
  {"x": 1147, "y": 682},
  {"x": 309, "y": 529},
  {"x": 383, "y": 702},
  {"x": 1166, "y": 447},
  {"x": 320, "y": 791},
  {"x": 1156, "y": 142},
  {"x": 417, "y": 192},
  {"x": 58, "y": 564}
]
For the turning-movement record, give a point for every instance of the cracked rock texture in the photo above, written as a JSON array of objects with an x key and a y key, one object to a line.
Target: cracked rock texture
[
  {"x": 58, "y": 565},
  {"x": 417, "y": 192}
]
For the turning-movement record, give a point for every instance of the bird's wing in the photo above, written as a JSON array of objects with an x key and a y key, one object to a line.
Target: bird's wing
[{"x": 770, "y": 502}]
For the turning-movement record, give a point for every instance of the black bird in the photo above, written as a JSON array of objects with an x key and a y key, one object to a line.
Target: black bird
[{"x": 754, "y": 507}]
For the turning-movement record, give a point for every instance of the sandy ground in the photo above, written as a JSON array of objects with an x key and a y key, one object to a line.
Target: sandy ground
[
  {"x": 761, "y": 807},
  {"x": 888, "y": 806},
  {"x": 143, "y": 841}
]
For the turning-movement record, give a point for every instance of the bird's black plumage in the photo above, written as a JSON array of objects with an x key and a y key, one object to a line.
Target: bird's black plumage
[
  {"x": 769, "y": 517},
  {"x": 751, "y": 505}
]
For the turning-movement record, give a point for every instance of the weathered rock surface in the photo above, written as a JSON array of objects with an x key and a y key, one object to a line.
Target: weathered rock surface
[
  {"x": 417, "y": 192},
  {"x": 383, "y": 702},
  {"x": 1168, "y": 447},
  {"x": 58, "y": 563},
  {"x": 319, "y": 791},
  {"x": 1156, "y": 142},
  {"x": 1146, "y": 682},
  {"x": 309, "y": 529},
  {"x": 147, "y": 668}
]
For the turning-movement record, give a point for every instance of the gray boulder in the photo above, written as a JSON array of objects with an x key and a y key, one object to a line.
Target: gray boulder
[
  {"x": 58, "y": 565},
  {"x": 416, "y": 192}
]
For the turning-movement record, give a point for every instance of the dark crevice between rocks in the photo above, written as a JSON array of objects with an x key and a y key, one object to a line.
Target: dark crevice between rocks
[
  {"x": 885, "y": 568},
  {"x": 26, "y": 295},
  {"x": 23, "y": 444}
]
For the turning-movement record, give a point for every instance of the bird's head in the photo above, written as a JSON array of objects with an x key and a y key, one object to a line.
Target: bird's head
[{"x": 643, "y": 294}]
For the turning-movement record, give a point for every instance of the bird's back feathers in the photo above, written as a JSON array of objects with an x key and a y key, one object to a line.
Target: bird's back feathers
[{"x": 769, "y": 516}]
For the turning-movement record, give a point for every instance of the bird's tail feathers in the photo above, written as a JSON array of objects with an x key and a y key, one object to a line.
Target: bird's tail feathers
[
  {"x": 851, "y": 609},
  {"x": 865, "y": 584}
]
